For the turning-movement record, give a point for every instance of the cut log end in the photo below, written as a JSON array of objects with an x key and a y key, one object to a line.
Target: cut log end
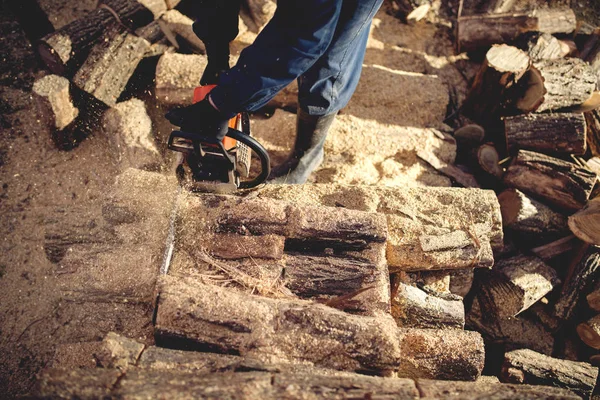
[
  {"x": 504, "y": 58},
  {"x": 589, "y": 332}
]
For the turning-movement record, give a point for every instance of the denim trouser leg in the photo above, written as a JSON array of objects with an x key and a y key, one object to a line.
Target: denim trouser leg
[{"x": 329, "y": 84}]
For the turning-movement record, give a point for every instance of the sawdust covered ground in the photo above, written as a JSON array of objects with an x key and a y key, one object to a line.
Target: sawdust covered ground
[{"x": 48, "y": 311}]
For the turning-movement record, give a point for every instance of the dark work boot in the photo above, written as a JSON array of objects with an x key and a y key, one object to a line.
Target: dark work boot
[{"x": 311, "y": 132}]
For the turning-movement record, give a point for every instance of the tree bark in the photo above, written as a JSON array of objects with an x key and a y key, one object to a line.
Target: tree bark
[
  {"x": 559, "y": 183},
  {"x": 503, "y": 67},
  {"x": 110, "y": 64},
  {"x": 526, "y": 366},
  {"x": 543, "y": 46},
  {"x": 529, "y": 219},
  {"x": 579, "y": 278},
  {"x": 65, "y": 50},
  {"x": 593, "y": 132},
  {"x": 414, "y": 308},
  {"x": 481, "y": 31},
  {"x": 546, "y": 133}
]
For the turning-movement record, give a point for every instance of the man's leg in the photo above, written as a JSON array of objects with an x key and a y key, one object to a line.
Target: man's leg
[{"x": 326, "y": 88}]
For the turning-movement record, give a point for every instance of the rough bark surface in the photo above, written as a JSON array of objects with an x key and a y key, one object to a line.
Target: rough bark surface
[
  {"x": 546, "y": 133},
  {"x": 593, "y": 132},
  {"x": 557, "y": 182},
  {"x": 527, "y": 366}
]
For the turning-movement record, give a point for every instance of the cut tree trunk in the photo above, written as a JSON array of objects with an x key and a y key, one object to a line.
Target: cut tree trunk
[
  {"x": 593, "y": 132},
  {"x": 414, "y": 308},
  {"x": 531, "y": 220},
  {"x": 65, "y": 50},
  {"x": 488, "y": 160},
  {"x": 585, "y": 223},
  {"x": 543, "y": 46},
  {"x": 546, "y": 133},
  {"x": 298, "y": 331},
  {"x": 566, "y": 83},
  {"x": 581, "y": 276},
  {"x": 557, "y": 182},
  {"x": 527, "y": 366},
  {"x": 515, "y": 285},
  {"x": 110, "y": 64},
  {"x": 54, "y": 101},
  {"x": 589, "y": 332},
  {"x": 503, "y": 67},
  {"x": 481, "y": 31}
]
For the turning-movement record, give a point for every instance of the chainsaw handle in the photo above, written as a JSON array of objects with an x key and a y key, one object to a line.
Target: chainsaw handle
[{"x": 265, "y": 161}]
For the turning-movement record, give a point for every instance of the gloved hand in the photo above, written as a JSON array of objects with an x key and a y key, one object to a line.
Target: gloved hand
[{"x": 201, "y": 118}]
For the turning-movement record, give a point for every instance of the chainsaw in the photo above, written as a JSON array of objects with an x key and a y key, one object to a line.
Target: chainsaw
[{"x": 211, "y": 165}]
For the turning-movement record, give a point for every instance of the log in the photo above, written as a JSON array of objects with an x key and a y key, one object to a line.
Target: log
[
  {"x": 512, "y": 332},
  {"x": 567, "y": 83},
  {"x": 470, "y": 135},
  {"x": 459, "y": 176},
  {"x": 593, "y": 133},
  {"x": 430, "y": 389},
  {"x": 589, "y": 332},
  {"x": 110, "y": 64},
  {"x": 529, "y": 219},
  {"x": 180, "y": 26},
  {"x": 527, "y": 366},
  {"x": 488, "y": 160},
  {"x": 64, "y": 50},
  {"x": 554, "y": 249},
  {"x": 546, "y": 133},
  {"x": 470, "y": 7},
  {"x": 429, "y": 228},
  {"x": 299, "y": 332},
  {"x": 54, "y": 101},
  {"x": 581, "y": 276},
  {"x": 414, "y": 308},
  {"x": 543, "y": 46},
  {"x": 515, "y": 285},
  {"x": 461, "y": 281},
  {"x": 593, "y": 299},
  {"x": 585, "y": 223},
  {"x": 556, "y": 182},
  {"x": 482, "y": 31},
  {"x": 129, "y": 129},
  {"x": 503, "y": 67},
  {"x": 176, "y": 77}
]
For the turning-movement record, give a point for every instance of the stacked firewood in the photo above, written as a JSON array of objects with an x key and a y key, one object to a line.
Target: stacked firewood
[{"x": 529, "y": 129}]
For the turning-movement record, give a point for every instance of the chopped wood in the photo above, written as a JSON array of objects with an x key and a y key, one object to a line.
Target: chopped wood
[
  {"x": 176, "y": 77},
  {"x": 585, "y": 223},
  {"x": 556, "y": 182},
  {"x": 489, "y": 160},
  {"x": 527, "y": 366},
  {"x": 593, "y": 299},
  {"x": 568, "y": 82},
  {"x": 554, "y": 249},
  {"x": 543, "y": 46},
  {"x": 460, "y": 233},
  {"x": 581, "y": 276},
  {"x": 461, "y": 281},
  {"x": 589, "y": 332},
  {"x": 482, "y": 31},
  {"x": 546, "y": 133},
  {"x": 503, "y": 67},
  {"x": 516, "y": 284},
  {"x": 54, "y": 101},
  {"x": 470, "y": 135},
  {"x": 529, "y": 219},
  {"x": 593, "y": 132},
  {"x": 110, "y": 64},
  {"x": 463, "y": 178},
  {"x": 129, "y": 128},
  {"x": 180, "y": 26},
  {"x": 480, "y": 389},
  {"x": 414, "y": 308},
  {"x": 532, "y": 96},
  {"x": 64, "y": 50}
]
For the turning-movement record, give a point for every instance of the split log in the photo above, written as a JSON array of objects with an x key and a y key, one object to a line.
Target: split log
[
  {"x": 180, "y": 26},
  {"x": 444, "y": 390},
  {"x": 565, "y": 83},
  {"x": 459, "y": 176},
  {"x": 488, "y": 160},
  {"x": 449, "y": 354},
  {"x": 54, "y": 100},
  {"x": 129, "y": 128},
  {"x": 65, "y": 50},
  {"x": 531, "y": 220},
  {"x": 151, "y": 32},
  {"x": 436, "y": 282},
  {"x": 543, "y": 46},
  {"x": 557, "y": 182},
  {"x": 554, "y": 249},
  {"x": 298, "y": 331},
  {"x": 503, "y": 67},
  {"x": 515, "y": 285},
  {"x": 581, "y": 275},
  {"x": 461, "y": 281},
  {"x": 593, "y": 132},
  {"x": 585, "y": 223},
  {"x": 527, "y": 366},
  {"x": 589, "y": 332},
  {"x": 110, "y": 64},
  {"x": 414, "y": 308},
  {"x": 176, "y": 77},
  {"x": 546, "y": 133},
  {"x": 512, "y": 332},
  {"x": 482, "y": 31},
  {"x": 429, "y": 228}
]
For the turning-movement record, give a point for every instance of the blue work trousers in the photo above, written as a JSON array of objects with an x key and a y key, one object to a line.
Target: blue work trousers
[{"x": 319, "y": 42}]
